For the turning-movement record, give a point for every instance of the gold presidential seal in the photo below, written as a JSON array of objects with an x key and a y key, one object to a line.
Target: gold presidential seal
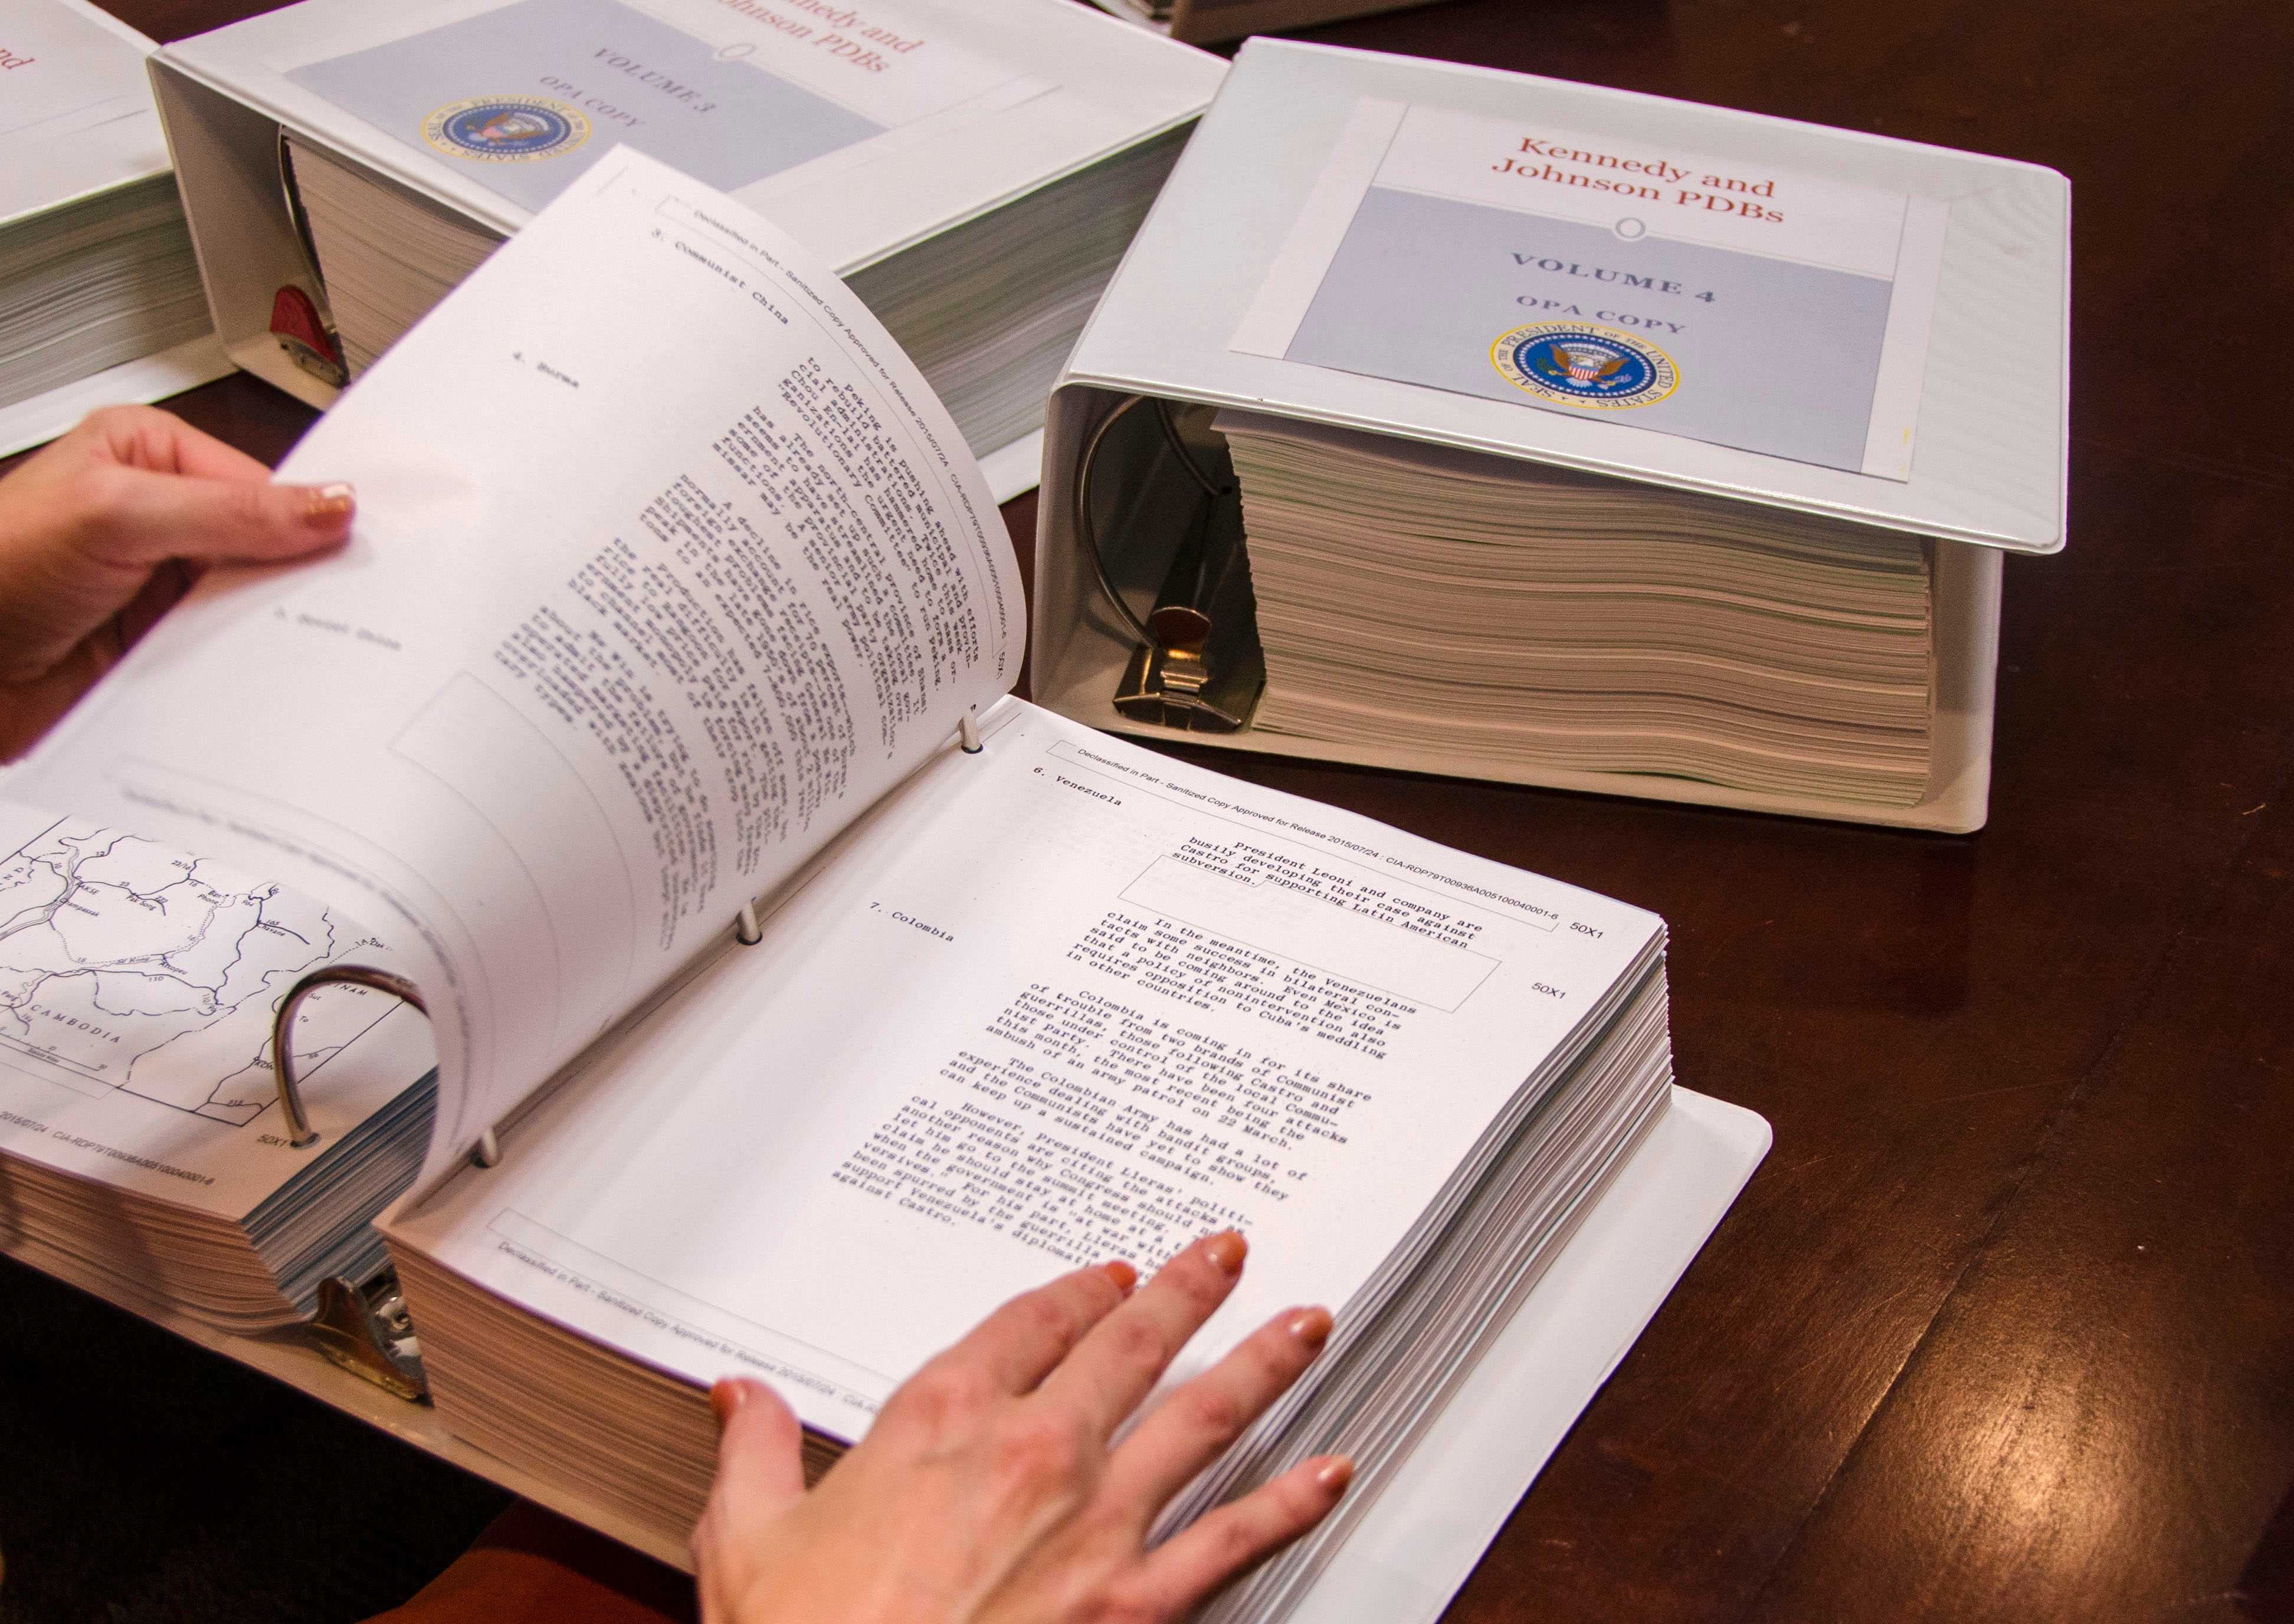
[
  {"x": 1576, "y": 363},
  {"x": 506, "y": 129}
]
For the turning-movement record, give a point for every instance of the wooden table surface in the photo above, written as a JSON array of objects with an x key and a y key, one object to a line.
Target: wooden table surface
[{"x": 2004, "y": 1328}]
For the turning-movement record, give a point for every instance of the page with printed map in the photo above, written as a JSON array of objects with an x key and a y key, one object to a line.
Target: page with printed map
[{"x": 137, "y": 985}]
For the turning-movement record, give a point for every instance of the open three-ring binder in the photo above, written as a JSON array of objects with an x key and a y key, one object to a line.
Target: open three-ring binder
[{"x": 651, "y": 641}]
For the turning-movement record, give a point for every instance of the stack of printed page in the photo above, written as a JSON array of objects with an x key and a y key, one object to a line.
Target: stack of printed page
[
  {"x": 1512, "y": 614},
  {"x": 90, "y": 284}
]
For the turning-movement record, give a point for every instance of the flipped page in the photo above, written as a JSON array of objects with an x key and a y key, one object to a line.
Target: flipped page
[
  {"x": 1060, "y": 1002},
  {"x": 667, "y": 562}
]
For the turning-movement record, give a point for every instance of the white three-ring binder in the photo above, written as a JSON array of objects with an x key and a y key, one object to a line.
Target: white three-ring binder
[{"x": 1198, "y": 313}]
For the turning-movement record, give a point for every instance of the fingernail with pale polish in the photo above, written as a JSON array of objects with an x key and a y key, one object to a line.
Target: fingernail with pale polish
[
  {"x": 323, "y": 503},
  {"x": 1123, "y": 1274},
  {"x": 1226, "y": 1251},
  {"x": 1335, "y": 1473},
  {"x": 726, "y": 1397},
  {"x": 1311, "y": 1326}
]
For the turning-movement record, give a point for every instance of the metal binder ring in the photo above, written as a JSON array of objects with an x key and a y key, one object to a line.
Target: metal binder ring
[
  {"x": 1088, "y": 531},
  {"x": 299, "y": 1132}
]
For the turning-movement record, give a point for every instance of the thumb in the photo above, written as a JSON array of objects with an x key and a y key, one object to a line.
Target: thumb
[
  {"x": 760, "y": 1475},
  {"x": 760, "y": 1461},
  {"x": 152, "y": 517}
]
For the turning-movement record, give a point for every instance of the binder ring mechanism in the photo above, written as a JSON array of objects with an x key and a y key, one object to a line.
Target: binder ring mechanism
[
  {"x": 1197, "y": 665},
  {"x": 748, "y": 925},
  {"x": 363, "y": 1326},
  {"x": 300, "y": 1133}
]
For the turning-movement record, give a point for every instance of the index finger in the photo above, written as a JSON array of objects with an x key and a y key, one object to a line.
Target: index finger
[
  {"x": 1118, "y": 1363},
  {"x": 1024, "y": 1340}
]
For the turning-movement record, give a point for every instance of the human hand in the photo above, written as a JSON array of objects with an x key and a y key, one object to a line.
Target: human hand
[
  {"x": 986, "y": 1492},
  {"x": 104, "y": 531}
]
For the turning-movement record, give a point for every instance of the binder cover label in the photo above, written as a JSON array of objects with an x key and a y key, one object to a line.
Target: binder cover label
[
  {"x": 1714, "y": 299},
  {"x": 54, "y": 63},
  {"x": 525, "y": 98}
]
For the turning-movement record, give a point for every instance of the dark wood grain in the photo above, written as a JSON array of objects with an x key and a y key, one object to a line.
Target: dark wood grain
[{"x": 2004, "y": 1326}]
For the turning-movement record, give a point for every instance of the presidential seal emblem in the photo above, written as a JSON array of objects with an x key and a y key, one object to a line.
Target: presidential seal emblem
[
  {"x": 1574, "y": 363},
  {"x": 506, "y": 129}
]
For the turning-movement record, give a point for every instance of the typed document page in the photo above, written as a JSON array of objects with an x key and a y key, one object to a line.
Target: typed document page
[
  {"x": 667, "y": 562},
  {"x": 1062, "y": 1001}
]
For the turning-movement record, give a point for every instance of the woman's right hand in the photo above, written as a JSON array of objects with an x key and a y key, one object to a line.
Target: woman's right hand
[
  {"x": 988, "y": 1491},
  {"x": 102, "y": 531}
]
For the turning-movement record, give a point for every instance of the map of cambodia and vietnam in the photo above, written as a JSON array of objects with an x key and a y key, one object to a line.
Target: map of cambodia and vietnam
[{"x": 128, "y": 969}]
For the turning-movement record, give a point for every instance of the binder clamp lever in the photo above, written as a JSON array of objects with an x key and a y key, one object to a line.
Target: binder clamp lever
[
  {"x": 363, "y": 1328},
  {"x": 303, "y": 330},
  {"x": 1198, "y": 664},
  {"x": 366, "y": 1330}
]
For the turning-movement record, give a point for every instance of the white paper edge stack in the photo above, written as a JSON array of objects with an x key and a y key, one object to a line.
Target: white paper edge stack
[{"x": 116, "y": 153}]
